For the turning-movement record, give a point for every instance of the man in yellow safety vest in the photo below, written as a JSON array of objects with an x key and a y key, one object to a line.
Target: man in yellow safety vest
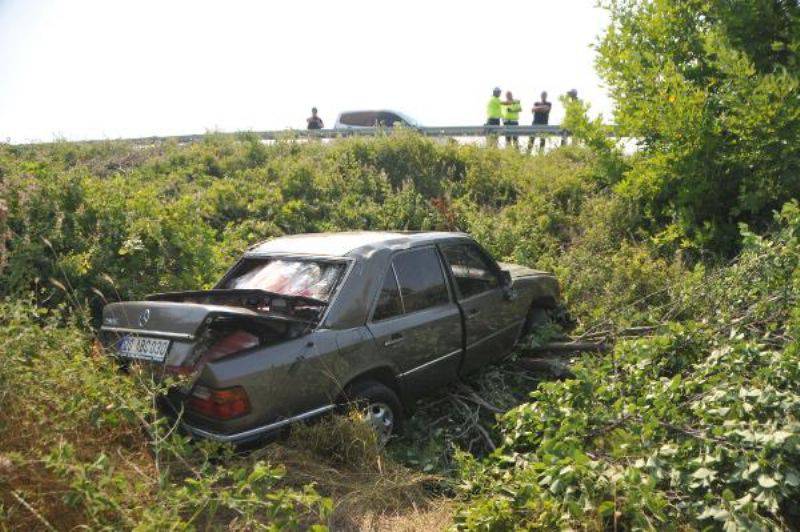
[
  {"x": 494, "y": 112},
  {"x": 494, "y": 109},
  {"x": 511, "y": 110}
]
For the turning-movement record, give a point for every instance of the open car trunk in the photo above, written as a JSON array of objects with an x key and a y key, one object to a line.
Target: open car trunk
[{"x": 185, "y": 330}]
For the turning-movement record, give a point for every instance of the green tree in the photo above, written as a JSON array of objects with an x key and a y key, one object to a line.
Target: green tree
[{"x": 708, "y": 88}]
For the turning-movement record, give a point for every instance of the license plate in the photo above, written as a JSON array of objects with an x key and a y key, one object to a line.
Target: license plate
[{"x": 143, "y": 348}]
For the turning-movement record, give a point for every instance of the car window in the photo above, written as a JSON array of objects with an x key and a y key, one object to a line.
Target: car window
[
  {"x": 422, "y": 283},
  {"x": 389, "y": 303},
  {"x": 362, "y": 118},
  {"x": 472, "y": 270},
  {"x": 309, "y": 278},
  {"x": 389, "y": 119}
]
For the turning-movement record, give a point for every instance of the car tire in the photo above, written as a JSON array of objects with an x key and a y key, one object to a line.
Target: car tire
[
  {"x": 537, "y": 317},
  {"x": 381, "y": 406}
]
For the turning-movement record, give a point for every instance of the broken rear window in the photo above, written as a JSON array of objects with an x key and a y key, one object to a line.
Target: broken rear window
[{"x": 307, "y": 278}]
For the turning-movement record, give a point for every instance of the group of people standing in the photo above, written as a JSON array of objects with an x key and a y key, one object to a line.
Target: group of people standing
[{"x": 506, "y": 112}]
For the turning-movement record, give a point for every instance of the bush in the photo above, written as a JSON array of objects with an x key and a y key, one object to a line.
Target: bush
[
  {"x": 696, "y": 426},
  {"x": 81, "y": 445},
  {"x": 707, "y": 88},
  {"x": 113, "y": 220}
]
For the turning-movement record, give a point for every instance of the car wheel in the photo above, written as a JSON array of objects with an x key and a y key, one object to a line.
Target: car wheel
[
  {"x": 537, "y": 317},
  {"x": 380, "y": 407}
]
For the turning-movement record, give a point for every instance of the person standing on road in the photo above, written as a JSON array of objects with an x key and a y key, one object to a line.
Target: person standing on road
[
  {"x": 541, "y": 116},
  {"x": 511, "y": 110},
  {"x": 314, "y": 121},
  {"x": 494, "y": 112}
]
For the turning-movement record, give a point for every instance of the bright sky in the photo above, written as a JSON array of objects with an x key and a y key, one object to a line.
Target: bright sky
[{"x": 79, "y": 69}]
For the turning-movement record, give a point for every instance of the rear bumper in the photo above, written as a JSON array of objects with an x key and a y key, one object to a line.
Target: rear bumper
[{"x": 256, "y": 432}]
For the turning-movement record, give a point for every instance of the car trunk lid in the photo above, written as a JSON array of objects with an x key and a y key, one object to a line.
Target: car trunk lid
[
  {"x": 183, "y": 336},
  {"x": 165, "y": 318}
]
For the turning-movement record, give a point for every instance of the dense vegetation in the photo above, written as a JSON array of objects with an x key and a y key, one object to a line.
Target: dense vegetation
[
  {"x": 709, "y": 87},
  {"x": 693, "y": 238}
]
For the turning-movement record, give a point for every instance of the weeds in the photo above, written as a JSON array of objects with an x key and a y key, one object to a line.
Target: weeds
[{"x": 81, "y": 444}]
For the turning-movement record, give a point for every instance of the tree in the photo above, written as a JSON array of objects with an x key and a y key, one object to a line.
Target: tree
[{"x": 709, "y": 89}]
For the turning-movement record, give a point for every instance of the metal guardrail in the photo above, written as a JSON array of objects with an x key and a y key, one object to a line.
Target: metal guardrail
[
  {"x": 484, "y": 131},
  {"x": 444, "y": 131}
]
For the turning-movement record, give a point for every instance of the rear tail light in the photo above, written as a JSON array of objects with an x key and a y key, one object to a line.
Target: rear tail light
[{"x": 228, "y": 403}]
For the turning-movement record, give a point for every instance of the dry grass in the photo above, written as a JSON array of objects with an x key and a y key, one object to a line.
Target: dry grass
[
  {"x": 438, "y": 515},
  {"x": 32, "y": 496},
  {"x": 370, "y": 491},
  {"x": 338, "y": 455}
]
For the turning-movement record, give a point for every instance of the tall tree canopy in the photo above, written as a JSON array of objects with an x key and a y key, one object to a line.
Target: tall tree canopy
[{"x": 709, "y": 89}]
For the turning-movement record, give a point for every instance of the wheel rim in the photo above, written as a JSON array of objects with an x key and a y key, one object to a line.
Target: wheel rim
[{"x": 381, "y": 418}]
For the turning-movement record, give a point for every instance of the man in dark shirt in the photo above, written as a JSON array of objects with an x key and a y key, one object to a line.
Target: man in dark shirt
[
  {"x": 541, "y": 115},
  {"x": 314, "y": 122}
]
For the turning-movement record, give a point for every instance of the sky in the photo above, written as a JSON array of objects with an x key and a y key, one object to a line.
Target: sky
[{"x": 95, "y": 69}]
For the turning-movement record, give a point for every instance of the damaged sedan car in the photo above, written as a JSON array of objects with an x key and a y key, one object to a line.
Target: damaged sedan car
[{"x": 303, "y": 324}]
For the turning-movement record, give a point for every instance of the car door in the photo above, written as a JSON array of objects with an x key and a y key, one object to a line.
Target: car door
[
  {"x": 416, "y": 323},
  {"x": 491, "y": 320}
]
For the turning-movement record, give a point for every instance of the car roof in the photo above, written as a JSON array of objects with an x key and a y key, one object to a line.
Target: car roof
[{"x": 356, "y": 244}]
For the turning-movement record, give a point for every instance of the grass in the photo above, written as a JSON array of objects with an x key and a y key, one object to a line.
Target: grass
[
  {"x": 405, "y": 486},
  {"x": 370, "y": 490}
]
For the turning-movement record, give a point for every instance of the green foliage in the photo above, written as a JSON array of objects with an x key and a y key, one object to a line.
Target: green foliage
[
  {"x": 81, "y": 444},
  {"x": 598, "y": 137},
  {"x": 698, "y": 425},
  {"x": 708, "y": 88},
  {"x": 90, "y": 223},
  {"x": 693, "y": 427}
]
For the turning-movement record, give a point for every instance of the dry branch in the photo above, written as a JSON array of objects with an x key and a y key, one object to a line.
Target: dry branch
[{"x": 571, "y": 347}]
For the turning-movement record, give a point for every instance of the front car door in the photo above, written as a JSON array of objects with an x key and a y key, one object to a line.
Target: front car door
[
  {"x": 492, "y": 322},
  {"x": 416, "y": 323}
]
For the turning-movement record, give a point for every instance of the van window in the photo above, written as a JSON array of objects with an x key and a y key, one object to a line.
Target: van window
[
  {"x": 361, "y": 118},
  {"x": 389, "y": 303},
  {"x": 389, "y": 119},
  {"x": 422, "y": 283},
  {"x": 472, "y": 270}
]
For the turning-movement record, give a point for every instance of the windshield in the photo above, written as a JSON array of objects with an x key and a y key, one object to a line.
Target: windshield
[
  {"x": 408, "y": 120},
  {"x": 308, "y": 278}
]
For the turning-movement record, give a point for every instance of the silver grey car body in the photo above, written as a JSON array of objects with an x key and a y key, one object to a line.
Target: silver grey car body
[{"x": 412, "y": 311}]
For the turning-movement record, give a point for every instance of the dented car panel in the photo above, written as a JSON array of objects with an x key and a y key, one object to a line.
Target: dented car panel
[{"x": 299, "y": 319}]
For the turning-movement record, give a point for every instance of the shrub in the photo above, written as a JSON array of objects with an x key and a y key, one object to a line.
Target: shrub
[
  {"x": 696, "y": 426},
  {"x": 708, "y": 90},
  {"x": 81, "y": 445},
  {"x": 112, "y": 220}
]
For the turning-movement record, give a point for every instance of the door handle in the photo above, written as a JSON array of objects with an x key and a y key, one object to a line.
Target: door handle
[
  {"x": 472, "y": 313},
  {"x": 396, "y": 338}
]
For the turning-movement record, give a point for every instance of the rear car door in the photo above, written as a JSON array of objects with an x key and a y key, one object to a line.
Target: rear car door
[
  {"x": 491, "y": 321},
  {"x": 416, "y": 323}
]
